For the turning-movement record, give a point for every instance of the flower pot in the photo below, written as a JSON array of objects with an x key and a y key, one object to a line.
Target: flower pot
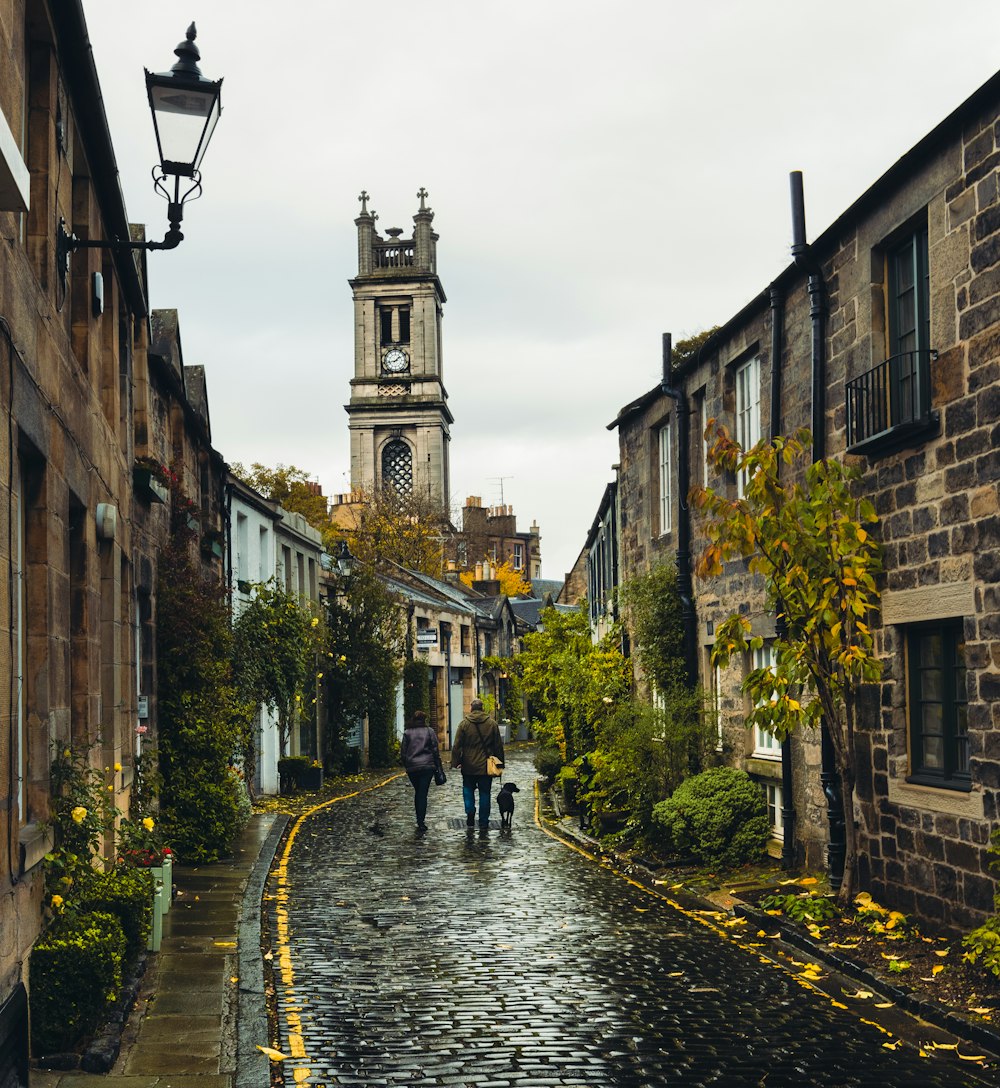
[
  {"x": 168, "y": 882},
  {"x": 156, "y": 929},
  {"x": 148, "y": 487},
  {"x": 311, "y": 778}
]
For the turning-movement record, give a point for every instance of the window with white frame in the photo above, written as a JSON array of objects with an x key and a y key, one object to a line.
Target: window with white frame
[
  {"x": 664, "y": 461},
  {"x": 703, "y": 443},
  {"x": 775, "y": 800},
  {"x": 765, "y": 745},
  {"x": 714, "y": 674},
  {"x": 518, "y": 557},
  {"x": 747, "y": 411}
]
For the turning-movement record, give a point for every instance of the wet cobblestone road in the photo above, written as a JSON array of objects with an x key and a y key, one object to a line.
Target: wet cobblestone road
[{"x": 507, "y": 960}]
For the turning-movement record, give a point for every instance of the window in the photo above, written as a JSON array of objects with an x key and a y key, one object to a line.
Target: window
[
  {"x": 891, "y": 402},
  {"x": 775, "y": 800},
  {"x": 263, "y": 571},
  {"x": 385, "y": 325},
  {"x": 747, "y": 411},
  {"x": 404, "y": 324},
  {"x": 765, "y": 745},
  {"x": 700, "y": 476},
  {"x": 909, "y": 324},
  {"x": 518, "y": 557},
  {"x": 714, "y": 674},
  {"x": 664, "y": 462},
  {"x": 242, "y": 548},
  {"x": 939, "y": 731},
  {"x": 397, "y": 467}
]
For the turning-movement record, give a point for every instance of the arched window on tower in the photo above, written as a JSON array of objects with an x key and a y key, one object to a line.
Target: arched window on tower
[{"x": 397, "y": 467}]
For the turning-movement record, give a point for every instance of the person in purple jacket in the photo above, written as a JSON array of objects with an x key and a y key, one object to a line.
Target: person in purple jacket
[{"x": 418, "y": 751}]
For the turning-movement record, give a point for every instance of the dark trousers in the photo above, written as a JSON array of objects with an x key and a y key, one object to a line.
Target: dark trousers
[{"x": 421, "y": 781}]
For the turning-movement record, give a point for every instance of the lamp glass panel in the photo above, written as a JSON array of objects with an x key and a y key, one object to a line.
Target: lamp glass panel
[{"x": 185, "y": 118}]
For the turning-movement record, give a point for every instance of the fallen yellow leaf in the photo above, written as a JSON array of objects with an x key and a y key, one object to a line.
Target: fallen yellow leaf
[
  {"x": 807, "y": 880},
  {"x": 675, "y": 974},
  {"x": 892, "y": 1046},
  {"x": 972, "y": 1057},
  {"x": 224, "y": 944},
  {"x": 274, "y": 1055},
  {"x": 837, "y": 1004},
  {"x": 884, "y": 1004},
  {"x": 981, "y": 1010},
  {"x": 234, "y": 978},
  {"x": 937, "y": 970},
  {"x": 861, "y": 995},
  {"x": 941, "y": 951}
]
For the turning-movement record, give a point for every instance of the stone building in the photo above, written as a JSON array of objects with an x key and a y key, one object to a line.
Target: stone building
[
  {"x": 491, "y": 533},
  {"x": 105, "y": 427},
  {"x": 882, "y": 336}
]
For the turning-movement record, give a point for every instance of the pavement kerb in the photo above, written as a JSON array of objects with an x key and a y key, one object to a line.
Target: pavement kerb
[
  {"x": 252, "y": 1065},
  {"x": 630, "y": 870}
]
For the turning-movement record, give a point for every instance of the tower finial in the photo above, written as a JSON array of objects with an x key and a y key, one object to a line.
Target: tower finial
[
  {"x": 422, "y": 193},
  {"x": 364, "y": 198}
]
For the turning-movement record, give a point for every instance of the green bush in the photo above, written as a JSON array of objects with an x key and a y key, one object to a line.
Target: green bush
[
  {"x": 416, "y": 688},
  {"x": 983, "y": 944},
  {"x": 718, "y": 817},
  {"x": 127, "y": 894},
  {"x": 802, "y": 906},
  {"x": 548, "y": 763},
  {"x": 290, "y": 771},
  {"x": 75, "y": 978},
  {"x": 205, "y": 816}
]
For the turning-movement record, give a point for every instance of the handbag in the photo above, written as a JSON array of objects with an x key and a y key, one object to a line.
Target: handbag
[
  {"x": 439, "y": 775},
  {"x": 494, "y": 768}
]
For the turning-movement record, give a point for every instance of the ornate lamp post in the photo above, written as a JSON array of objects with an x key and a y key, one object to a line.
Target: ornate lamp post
[{"x": 185, "y": 108}]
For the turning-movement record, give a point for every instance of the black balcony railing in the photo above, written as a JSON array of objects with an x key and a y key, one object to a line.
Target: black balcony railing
[{"x": 890, "y": 402}]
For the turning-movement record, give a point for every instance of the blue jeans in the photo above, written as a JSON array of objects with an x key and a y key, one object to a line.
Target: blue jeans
[
  {"x": 421, "y": 781},
  {"x": 483, "y": 783}
]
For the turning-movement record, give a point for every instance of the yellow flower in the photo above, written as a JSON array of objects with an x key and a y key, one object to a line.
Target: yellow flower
[
  {"x": 66, "y": 753},
  {"x": 147, "y": 823},
  {"x": 79, "y": 814},
  {"x": 57, "y": 901},
  {"x": 118, "y": 767},
  {"x": 111, "y": 788},
  {"x": 315, "y": 622}
]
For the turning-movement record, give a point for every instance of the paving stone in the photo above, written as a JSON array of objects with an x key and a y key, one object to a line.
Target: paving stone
[{"x": 502, "y": 959}]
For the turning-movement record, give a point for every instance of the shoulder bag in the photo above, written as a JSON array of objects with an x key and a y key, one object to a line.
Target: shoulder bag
[{"x": 494, "y": 768}]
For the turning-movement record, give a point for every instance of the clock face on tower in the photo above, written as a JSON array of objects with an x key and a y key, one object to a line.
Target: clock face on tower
[{"x": 395, "y": 361}]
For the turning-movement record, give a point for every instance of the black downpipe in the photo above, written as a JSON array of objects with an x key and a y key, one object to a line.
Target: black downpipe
[
  {"x": 685, "y": 589},
  {"x": 787, "y": 784},
  {"x": 802, "y": 255}
]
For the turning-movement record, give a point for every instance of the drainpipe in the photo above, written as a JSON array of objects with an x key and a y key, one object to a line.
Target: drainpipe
[
  {"x": 777, "y": 297},
  {"x": 684, "y": 586},
  {"x": 804, "y": 259}
]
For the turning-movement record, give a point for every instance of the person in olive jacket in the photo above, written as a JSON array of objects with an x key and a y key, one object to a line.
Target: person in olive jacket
[{"x": 477, "y": 738}]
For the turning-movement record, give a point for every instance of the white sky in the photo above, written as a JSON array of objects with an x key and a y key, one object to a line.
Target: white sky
[{"x": 600, "y": 173}]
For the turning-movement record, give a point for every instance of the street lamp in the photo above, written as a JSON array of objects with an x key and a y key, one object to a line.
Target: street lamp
[
  {"x": 185, "y": 108},
  {"x": 345, "y": 561}
]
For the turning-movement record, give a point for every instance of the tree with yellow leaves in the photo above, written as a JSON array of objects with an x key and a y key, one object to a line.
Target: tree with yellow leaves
[
  {"x": 512, "y": 581},
  {"x": 809, "y": 541}
]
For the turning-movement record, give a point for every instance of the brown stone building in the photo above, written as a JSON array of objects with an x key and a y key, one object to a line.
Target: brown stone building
[
  {"x": 883, "y": 336},
  {"x": 98, "y": 406},
  {"x": 491, "y": 533}
]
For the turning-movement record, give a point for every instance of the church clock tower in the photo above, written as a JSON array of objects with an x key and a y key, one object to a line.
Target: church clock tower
[{"x": 398, "y": 415}]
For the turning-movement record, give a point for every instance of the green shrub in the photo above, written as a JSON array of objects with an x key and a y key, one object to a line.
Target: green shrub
[
  {"x": 548, "y": 763},
  {"x": 983, "y": 944},
  {"x": 290, "y": 771},
  {"x": 205, "y": 816},
  {"x": 416, "y": 688},
  {"x": 75, "y": 978},
  {"x": 802, "y": 906},
  {"x": 718, "y": 817},
  {"x": 127, "y": 894}
]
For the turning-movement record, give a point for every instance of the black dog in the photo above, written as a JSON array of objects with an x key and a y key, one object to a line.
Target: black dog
[{"x": 505, "y": 802}]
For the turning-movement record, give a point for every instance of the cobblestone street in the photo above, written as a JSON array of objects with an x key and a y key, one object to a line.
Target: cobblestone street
[{"x": 506, "y": 959}]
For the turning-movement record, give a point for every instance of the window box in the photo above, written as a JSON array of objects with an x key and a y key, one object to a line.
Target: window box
[
  {"x": 147, "y": 486},
  {"x": 889, "y": 406}
]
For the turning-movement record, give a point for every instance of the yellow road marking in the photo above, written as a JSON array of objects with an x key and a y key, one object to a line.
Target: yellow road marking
[{"x": 282, "y": 945}]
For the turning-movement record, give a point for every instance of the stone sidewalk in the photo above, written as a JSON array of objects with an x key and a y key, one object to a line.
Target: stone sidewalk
[{"x": 201, "y": 1011}]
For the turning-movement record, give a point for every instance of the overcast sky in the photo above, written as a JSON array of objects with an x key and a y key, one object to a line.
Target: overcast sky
[{"x": 600, "y": 173}]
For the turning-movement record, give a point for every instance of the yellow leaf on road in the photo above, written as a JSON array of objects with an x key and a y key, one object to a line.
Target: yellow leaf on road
[
  {"x": 981, "y": 1010},
  {"x": 274, "y": 1055},
  {"x": 806, "y": 880},
  {"x": 941, "y": 951},
  {"x": 937, "y": 970},
  {"x": 861, "y": 995},
  {"x": 972, "y": 1057},
  {"x": 885, "y": 1004},
  {"x": 675, "y": 974}
]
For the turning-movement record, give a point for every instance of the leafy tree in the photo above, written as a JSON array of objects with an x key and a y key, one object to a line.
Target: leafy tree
[
  {"x": 808, "y": 539},
  {"x": 278, "y": 643},
  {"x": 512, "y": 582},
  {"x": 653, "y": 614},
  {"x": 367, "y": 641},
  {"x": 202, "y": 714},
  {"x": 290, "y": 486},
  {"x": 569, "y": 681},
  {"x": 383, "y": 528}
]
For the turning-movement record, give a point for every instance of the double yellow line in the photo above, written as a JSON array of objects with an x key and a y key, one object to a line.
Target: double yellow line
[{"x": 282, "y": 944}]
